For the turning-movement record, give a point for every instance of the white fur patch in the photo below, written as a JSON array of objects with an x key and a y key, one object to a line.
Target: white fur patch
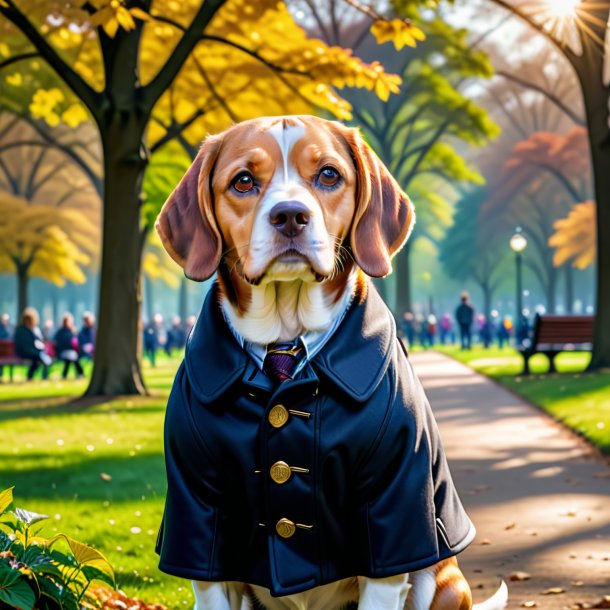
[{"x": 287, "y": 185}]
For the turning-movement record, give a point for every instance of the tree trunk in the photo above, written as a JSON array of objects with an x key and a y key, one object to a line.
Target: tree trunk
[
  {"x": 487, "y": 296},
  {"x": 402, "y": 264},
  {"x": 117, "y": 363},
  {"x": 22, "y": 289},
  {"x": 183, "y": 301},
  {"x": 596, "y": 104},
  {"x": 149, "y": 297},
  {"x": 569, "y": 286}
]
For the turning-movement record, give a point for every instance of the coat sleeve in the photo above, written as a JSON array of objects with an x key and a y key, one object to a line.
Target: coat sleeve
[
  {"x": 186, "y": 538},
  {"x": 414, "y": 514}
]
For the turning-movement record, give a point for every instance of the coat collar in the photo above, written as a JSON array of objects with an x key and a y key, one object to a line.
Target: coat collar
[{"x": 354, "y": 359}]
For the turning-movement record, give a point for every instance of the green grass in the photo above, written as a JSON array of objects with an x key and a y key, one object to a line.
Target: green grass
[
  {"x": 578, "y": 399},
  {"x": 55, "y": 452}
]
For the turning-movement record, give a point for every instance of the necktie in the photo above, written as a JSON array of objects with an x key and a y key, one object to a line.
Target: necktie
[{"x": 281, "y": 360}]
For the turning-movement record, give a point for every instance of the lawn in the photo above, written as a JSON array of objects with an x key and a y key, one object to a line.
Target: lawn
[
  {"x": 96, "y": 468},
  {"x": 578, "y": 399}
]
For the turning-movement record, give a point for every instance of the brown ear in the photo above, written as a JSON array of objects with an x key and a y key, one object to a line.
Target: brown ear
[
  {"x": 384, "y": 213},
  {"x": 186, "y": 223}
]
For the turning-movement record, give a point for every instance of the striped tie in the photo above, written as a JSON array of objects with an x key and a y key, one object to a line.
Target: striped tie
[{"x": 281, "y": 360}]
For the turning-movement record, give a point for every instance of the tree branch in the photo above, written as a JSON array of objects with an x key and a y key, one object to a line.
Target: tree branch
[
  {"x": 83, "y": 91},
  {"x": 192, "y": 35},
  {"x": 16, "y": 58},
  {"x": 539, "y": 27},
  {"x": 550, "y": 96},
  {"x": 69, "y": 151}
]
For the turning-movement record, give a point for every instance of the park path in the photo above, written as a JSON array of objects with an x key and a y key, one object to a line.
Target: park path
[{"x": 538, "y": 495}]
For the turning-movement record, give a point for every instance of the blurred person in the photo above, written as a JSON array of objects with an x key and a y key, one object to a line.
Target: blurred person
[
  {"x": 66, "y": 346},
  {"x": 152, "y": 334},
  {"x": 486, "y": 331},
  {"x": 504, "y": 331},
  {"x": 464, "y": 316},
  {"x": 419, "y": 329},
  {"x": 445, "y": 329},
  {"x": 48, "y": 329},
  {"x": 431, "y": 324},
  {"x": 5, "y": 326},
  {"x": 190, "y": 322},
  {"x": 407, "y": 326},
  {"x": 86, "y": 335},
  {"x": 176, "y": 337},
  {"x": 29, "y": 343}
]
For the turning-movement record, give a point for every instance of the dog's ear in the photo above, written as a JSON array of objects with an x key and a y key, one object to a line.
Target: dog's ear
[
  {"x": 186, "y": 224},
  {"x": 384, "y": 215}
]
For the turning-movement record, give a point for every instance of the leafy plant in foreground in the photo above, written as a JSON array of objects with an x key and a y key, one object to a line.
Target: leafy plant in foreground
[{"x": 34, "y": 573}]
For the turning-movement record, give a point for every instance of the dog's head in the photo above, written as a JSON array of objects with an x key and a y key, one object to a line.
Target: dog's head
[{"x": 284, "y": 198}]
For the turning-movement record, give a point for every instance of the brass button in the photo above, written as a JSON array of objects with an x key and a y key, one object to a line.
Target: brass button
[
  {"x": 285, "y": 528},
  {"x": 280, "y": 472},
  {"x": 278, "y": 416}
]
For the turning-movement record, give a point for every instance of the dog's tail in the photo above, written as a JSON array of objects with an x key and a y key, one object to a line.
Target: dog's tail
[{"x": 497, "y": 601}]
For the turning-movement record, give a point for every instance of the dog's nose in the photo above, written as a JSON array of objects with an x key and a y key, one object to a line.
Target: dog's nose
[{"x": 289, "y": 217}]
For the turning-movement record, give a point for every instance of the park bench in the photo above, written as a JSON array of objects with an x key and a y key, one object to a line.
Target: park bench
[
  {"x": 553, "y": 334},
  {"x": 9, "y": 358}
]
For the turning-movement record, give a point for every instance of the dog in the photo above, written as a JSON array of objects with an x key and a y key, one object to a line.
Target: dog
[{"x": 294, "y": 214}]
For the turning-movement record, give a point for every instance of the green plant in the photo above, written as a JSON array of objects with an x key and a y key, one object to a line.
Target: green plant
[{"x": 34, "y": 573}]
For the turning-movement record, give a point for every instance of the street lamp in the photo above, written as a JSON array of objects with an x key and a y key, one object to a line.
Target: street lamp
[{"x": 518, "y": 243}]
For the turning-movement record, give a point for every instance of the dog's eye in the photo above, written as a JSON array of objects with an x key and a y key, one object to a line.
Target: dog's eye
[
  {"x": 328, "y": 176},
  {"x": 243, "y": 182}
]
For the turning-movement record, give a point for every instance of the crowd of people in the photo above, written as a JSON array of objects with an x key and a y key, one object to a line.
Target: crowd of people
[
  {"x": 42, "y": 346},
  {"x": 157, "y": 336},
  {"x": 465, "y": 327}
]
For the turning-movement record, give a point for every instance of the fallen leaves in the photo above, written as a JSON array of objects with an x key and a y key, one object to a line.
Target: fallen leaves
[
  {"x": 553, "y": 591},
  {"x": 105, "y": 476},
  {"x": 519, "y": 576}
]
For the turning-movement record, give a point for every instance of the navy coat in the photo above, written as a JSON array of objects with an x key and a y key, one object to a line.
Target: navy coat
[{"x": 371, "y": 494}]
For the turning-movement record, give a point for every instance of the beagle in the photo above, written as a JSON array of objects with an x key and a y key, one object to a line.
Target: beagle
[{"x": 293, "y": 213}]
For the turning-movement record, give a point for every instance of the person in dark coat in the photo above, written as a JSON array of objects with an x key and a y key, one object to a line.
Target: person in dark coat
[
  {"x": 152, "y": 337},
  {"x": 339, "y": 471},
  {"x": 86, "y": 336},
  {"x": 5, "y": 326},
  {"x": 464, "y": 316},
  {"x": 29, "y": 343},
  {"x": 176, "y": 336},
  {"x": 66, "y": 344}
]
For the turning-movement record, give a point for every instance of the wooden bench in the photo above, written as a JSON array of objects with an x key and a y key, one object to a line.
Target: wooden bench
[
  {"x": 9, "y": 358},
  {"x": 554, "y": 334}
]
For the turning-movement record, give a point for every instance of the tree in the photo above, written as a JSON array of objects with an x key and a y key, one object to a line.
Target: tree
[
  {"x": 545, "y": 175},
  {"x": 574, "y": 237},
  {"x": 48, "y": 211},
  {"x": 126, "y": 62},
  {"x": 581, "y": 38},
  {"x": 466, "y": 251},
  {"x": 416, "y": 132},
  {"x": 39, "y": 240}
]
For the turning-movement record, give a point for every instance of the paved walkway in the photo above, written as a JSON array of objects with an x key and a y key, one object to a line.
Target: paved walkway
[{"x": 538, "y": 495}]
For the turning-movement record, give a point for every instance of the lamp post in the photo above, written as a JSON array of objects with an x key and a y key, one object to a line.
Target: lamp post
[{"x": 518, "y": 243}]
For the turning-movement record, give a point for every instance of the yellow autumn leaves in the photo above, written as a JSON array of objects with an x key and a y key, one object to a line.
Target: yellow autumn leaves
[
  {"x": 399, "y": 32},
  {"x": 574, "y": 239},
  {"x": 56, "y": 243},
  {"x": 114, "y": 15},
  {"x": 44, "y": 106}
]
